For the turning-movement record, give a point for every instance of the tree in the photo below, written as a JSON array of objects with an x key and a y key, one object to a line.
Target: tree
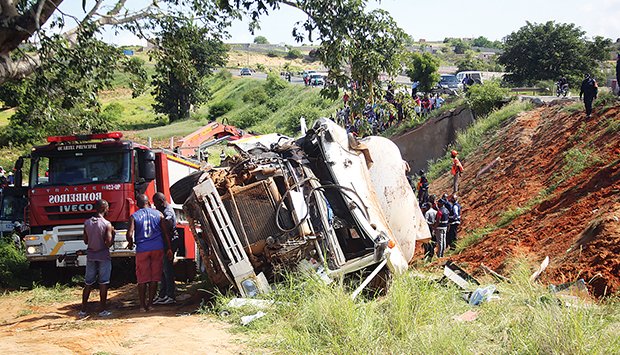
[
  {"x": 423, "y": 68},
  {"x": 294, "y": 53},
  {"x": 23, "y": 20},
  {"x": 460, "y": 46},
  {"x": 186, "y": 55},
  {"x": 61, "y": 96},
  {"x": 261, "y": 40},
  {"x": 549, "y": 51}
]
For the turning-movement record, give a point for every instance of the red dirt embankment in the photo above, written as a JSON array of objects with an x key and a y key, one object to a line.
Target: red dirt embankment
[{"x": 576, "y": 224}]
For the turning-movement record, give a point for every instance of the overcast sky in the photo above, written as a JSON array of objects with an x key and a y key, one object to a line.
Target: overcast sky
[{"x": 437, "y": 19}]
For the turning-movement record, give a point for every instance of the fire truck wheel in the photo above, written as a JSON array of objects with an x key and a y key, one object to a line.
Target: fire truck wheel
[{"x": 181, "y": 189}]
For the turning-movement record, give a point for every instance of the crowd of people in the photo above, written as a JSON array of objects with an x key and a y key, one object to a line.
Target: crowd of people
[
  {"x": 443, "y": 215},
  {"x": 378, "y": 116},
  {"x": 153, "y": 231}
]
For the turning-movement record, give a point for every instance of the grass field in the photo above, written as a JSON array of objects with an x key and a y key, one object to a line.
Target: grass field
[{"x": 420, "y": 316}]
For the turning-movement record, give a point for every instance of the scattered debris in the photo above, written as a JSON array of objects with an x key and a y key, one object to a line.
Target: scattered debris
[
  {"x": 459, "y": 276},
  {"x": 481, "y": 294},
  {"x": 245, "y": 320},
  {"x": 241, "y": 302},
  {"x": 489, "y": 166},
  {"x": 468, "y": 316},
  {"x": 540, "y": 270},
  {"x": 494, "y": 274}
]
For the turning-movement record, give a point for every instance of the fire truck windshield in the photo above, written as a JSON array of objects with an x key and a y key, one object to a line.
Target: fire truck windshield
[{"x": 67, "y": 170}]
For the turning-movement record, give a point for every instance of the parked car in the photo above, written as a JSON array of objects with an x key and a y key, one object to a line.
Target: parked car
[
  {"x": 317, "y": 79},
  {"x": 245, "y": 71},
  {"x": 448, "y": 84}
]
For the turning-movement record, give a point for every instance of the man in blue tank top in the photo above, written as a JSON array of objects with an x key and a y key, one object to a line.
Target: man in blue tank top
[{"x": 151, "y": 239}]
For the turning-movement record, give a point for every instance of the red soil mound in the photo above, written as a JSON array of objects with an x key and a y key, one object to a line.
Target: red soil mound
[{"x": 576, "y": 224}]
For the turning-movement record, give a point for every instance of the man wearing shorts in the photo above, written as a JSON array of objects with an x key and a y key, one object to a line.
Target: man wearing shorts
[
  {"x": 98, "y": 236},
  {"x": 151, "y": 238}
]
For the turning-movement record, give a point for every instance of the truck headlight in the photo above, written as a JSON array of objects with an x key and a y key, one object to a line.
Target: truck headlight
[
  {"x": 34, "y": 249},
  {"x": 31, "y": 238}
]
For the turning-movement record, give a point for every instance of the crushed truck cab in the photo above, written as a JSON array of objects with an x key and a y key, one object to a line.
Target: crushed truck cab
[{"x": 326, "y": 202}]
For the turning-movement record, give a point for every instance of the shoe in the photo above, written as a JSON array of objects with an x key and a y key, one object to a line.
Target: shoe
[
  {"x": 168, "y": 300},
  {"x": 82, "y": 314},
  {"x": 159, "y": 299},
  {"x": 105, "y": 313}
]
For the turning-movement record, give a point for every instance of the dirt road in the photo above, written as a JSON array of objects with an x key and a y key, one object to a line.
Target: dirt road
[{"x": 31, "y": 323}]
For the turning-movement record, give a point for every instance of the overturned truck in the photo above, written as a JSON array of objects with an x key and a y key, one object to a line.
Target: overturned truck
[{"x": 326, "y": 202}]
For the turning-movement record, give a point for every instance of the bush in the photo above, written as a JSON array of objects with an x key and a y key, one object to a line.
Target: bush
[
  {"x": 219, "y": 109},
  {"x": 292, "y": 120},
  {"x": 272, "y": 54},
  {"x": 257, "y": 96},
  {"x": 223, "y": 75},
  {"x": 251, "y": 117},
  {"x": 274, "y": 83},
  {"x": 112, "y": 112},
  {"x": 276, "y": 103},
  {"x": 294, "y": 54},
  {"x": 13, "y": 265},
  {"x": 486, "y": 97}
]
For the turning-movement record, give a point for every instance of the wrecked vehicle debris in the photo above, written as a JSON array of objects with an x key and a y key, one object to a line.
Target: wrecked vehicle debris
[{"x": 327, "y": 200}]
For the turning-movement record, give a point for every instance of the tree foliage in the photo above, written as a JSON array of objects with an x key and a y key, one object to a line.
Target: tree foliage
[
  {"x": 61, "y": 97},
  {"x": 486, "y": 43},
  {"x": 486, "y": 97},
  {"x": 423, "y": 68},
  {"x": 549, "y": 51},
  {"x": 186, "y": 55},
  {"x": 261, "y": 40}
]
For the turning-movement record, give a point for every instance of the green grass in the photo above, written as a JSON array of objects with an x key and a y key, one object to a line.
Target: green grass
[
  {"x": 416, "y": 316},
  {"x": 612, "y": 125},
  {"x": 47, "y": 295},
  {"x": 576, "y": 160},
  {"x": 469, "y": 140}
]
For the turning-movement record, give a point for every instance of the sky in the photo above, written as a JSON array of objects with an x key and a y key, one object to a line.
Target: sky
[{"x": 438, "y": 19}]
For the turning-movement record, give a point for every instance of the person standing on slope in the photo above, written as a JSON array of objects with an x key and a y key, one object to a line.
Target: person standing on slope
[
  {"x": 589, "y": 92},
  {"x": 618, "y": 74},
  {"x": 457, "y": 170}
]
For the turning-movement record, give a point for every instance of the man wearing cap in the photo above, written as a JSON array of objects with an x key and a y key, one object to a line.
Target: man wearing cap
[{"x": 457, "y": 170}]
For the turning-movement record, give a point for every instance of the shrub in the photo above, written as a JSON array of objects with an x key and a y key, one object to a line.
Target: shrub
[
  {"x": 219, "y": 109},
  {"x": 13, "y": 265},
  {"x": 276, "y": 103},
  {"x": 257, "y": 95},
  {"x": 292, "y": 120},
  {"x": 486, "y": 97},
  {"x": 294, "y": 53},
  {"x": 252, "y": 116},
  {"x": 112, "y": 112},
  {"x": 223, "y": 75},
  {"x": 272, "y": 54},
  {"x": 274, "y": 83}
]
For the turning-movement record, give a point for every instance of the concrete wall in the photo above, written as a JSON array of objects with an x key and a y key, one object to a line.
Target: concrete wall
[{"x": 429, "y": 141}]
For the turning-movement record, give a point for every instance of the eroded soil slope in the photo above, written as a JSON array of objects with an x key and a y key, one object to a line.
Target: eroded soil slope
[{"x": 553, "y": 189}]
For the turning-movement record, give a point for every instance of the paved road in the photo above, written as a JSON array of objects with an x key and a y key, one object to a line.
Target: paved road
[{"x": 295, "y": 79}]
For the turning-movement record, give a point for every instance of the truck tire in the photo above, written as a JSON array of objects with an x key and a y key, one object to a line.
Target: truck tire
[{"x": 181, "y": 189}]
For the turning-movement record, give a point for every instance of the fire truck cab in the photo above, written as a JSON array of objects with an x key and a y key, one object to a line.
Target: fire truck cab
[{"x": 70, "y": 173}]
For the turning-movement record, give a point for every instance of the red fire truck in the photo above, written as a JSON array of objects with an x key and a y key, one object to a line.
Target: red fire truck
[{"x": 72, "y": 172}]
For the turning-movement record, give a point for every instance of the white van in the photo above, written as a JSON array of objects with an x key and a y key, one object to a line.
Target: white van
[{"x": 475, "y": 75}]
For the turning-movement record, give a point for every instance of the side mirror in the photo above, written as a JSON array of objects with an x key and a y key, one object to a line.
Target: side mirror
[{"x": 146, "y": 165}]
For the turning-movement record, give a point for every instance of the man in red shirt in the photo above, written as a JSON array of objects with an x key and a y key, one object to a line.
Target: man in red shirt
[{"x": 457, "y": 170}]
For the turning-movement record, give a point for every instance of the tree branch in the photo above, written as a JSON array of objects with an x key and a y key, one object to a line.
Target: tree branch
[
  {"x": 93, "y": 10},
  {"x": 117, "y": 8}
]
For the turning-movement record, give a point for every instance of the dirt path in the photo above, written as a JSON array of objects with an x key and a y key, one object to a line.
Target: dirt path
[{"x": 29, "y": 324}]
